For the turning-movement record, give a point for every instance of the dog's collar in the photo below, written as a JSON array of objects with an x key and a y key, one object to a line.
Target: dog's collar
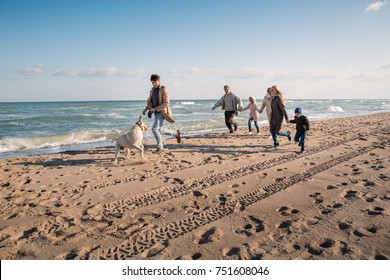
[{"x": 137, "y": 123}]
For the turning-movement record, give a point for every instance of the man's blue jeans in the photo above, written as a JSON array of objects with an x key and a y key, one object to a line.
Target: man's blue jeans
[{"x": 156, "y": 129}]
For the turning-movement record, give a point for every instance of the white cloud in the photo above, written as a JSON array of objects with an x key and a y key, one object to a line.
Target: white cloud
[
  {"x": 205, "y": 83},
  {"x": 98, "y": 72},
  {"x": 37, "y": 70},
  {"x": 66, "y": 73},
  {"x": 376, "y": 6},
  {"x": 266, "y": 74},
  {"x": 384, "y": 66},
  {"x": 239, "y": 73},
  {"x": 299, "y": 83}
]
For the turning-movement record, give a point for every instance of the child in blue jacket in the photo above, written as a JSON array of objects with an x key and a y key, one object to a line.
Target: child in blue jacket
[{"x": 302, "y": 125}]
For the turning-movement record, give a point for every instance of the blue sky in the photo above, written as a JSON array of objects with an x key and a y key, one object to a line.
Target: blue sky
[{"x": 106, "y": 50}]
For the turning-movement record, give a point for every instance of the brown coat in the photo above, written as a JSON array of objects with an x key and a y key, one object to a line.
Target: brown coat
[
  {"x": 267, "y": 105},
  {"x": 163, "y": 99}
]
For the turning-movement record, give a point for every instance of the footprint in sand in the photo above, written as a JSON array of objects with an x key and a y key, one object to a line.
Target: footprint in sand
[
  {"x": 231, "y": 251},
  {"x": 244, "y": 252},
  {"x": 345, "y": 225},
  {"x": 331, "y": 187},
  {"x": 328, "y": 246},
  {"x": 350, "y": 194},
  {"x": 356, "y": 170},
  {"x": 192, "y": 208},
  {"x": 25, "y": 254},
  {"x": 377, "y": 167},
  {"x": 385, "y": 197},
  {"x": 283, "y": 229},
  {"x": 281, "y": 169},
  {"x": 188, "y": 257},
  {"x": 107, "y": 197},
  {"x": 157, "y": 249},
  {"x": 196, "y": 256},
  {"x": 368, "y": 183},
  {"x": 327, "y": 210},
  {"x": 384, "y": 177},
  {"x": 373, "y": 229},
  {"x": 317, "y": 197},
  {"x": 380, "y": 257},
  {"x": 287, "y": 211},
  {"x": 212, "y": 235},
  {"x": 32, "y": 232},
  {"x": 370, "y": 197},
  {"x": 222, "y": 199},
  {"x": 252, "y": 227},
  {"x": 374, "y": 211},
  {"x": 178, "y": 180},
  {"x": 72, "y": 255},
  {"x": 199, "y": 194}
]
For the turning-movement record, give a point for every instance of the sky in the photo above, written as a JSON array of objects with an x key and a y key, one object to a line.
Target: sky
[{"x": 71, "y": 50}]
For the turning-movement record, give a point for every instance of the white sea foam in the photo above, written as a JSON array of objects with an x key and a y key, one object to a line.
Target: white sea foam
[
  {"x": 335, "y": 109},
  {"x": 15, "y": 124},
  {"x": 186, "y": 103},
  {"x": 72, "y": 138},
  {"x": 105, "y": 116}
]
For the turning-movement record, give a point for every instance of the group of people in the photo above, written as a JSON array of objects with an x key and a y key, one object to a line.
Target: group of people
[{"x": 273, "y": 102}]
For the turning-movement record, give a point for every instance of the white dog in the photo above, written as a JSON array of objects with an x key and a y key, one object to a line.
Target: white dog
[{"x": 131, "y": 140}]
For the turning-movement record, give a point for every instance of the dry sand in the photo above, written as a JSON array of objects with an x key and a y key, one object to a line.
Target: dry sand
[{"x": 217, "y": 196}]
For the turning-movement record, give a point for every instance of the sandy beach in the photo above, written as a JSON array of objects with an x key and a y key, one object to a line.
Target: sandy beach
[{"x": 214, "y": 196}]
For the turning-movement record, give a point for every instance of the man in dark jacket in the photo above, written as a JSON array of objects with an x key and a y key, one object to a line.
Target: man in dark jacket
[{"x": 231, "y": 103}]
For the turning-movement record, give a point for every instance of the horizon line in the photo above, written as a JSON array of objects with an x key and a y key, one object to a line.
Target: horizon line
[{"x": 194, "y": 99}]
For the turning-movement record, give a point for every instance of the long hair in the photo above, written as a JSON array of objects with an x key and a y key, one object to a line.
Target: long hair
[{"x": 280, "y": 93}]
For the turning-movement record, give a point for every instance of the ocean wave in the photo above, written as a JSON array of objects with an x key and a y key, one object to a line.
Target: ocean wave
[
  {"x": 11, "y": 124},
  {"x": 105, "y": 116},
  {"x": 335, "y": 109},
  {"x": 10, "y": 144},
  {"x": 311, "y": 101},
  {"x": 186, "y": 103},
  {"x": 68, "y": 118}
]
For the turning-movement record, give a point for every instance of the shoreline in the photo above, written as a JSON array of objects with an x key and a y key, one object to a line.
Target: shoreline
[
  {"x": 35, "y": 128},
  {"x": 166, "y": 136},
  {"x": 213, "y": 196}
]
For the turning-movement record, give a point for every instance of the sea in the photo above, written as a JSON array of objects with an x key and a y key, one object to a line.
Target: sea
[{"x": 34, "y": 128}]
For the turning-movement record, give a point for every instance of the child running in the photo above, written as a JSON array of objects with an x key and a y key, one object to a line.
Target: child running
[
  {"x": 302, "y": 124},
  {"x": 253, "y": 114}
]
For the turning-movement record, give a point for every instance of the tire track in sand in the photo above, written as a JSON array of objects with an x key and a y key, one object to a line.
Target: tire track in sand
[
  {"x": 117, "y": 208},
  {"x": 145, "y": 240}
]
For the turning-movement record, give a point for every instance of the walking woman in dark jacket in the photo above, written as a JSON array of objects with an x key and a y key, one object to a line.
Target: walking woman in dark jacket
[{"x": 277, "y": 114}]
